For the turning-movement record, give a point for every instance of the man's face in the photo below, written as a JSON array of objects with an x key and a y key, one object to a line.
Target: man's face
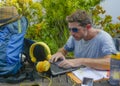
[{"x": 76, "y": 30}]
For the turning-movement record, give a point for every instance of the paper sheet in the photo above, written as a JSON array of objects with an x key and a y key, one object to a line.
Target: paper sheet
[{"x": 90, "y": 73}]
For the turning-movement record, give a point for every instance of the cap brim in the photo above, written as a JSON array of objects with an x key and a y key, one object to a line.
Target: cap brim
[{"x": 11, "y": 20}]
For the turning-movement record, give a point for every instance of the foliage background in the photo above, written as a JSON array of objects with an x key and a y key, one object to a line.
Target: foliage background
[{"x": 47, "y": 18}]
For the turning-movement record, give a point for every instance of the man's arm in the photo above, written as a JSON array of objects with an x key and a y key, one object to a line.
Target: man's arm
[
  {"x": 102, "y": 63},
  {"x": 98, "y": 63}
]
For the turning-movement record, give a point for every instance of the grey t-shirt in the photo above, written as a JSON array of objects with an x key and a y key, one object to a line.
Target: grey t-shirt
[{"x": 99, "y": 46}]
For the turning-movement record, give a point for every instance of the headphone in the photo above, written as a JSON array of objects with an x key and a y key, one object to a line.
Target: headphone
[{"x": 41, "y": 66}]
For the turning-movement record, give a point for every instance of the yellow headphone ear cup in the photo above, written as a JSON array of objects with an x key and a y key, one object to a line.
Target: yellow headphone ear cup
[{"x": 43, "y": 66}]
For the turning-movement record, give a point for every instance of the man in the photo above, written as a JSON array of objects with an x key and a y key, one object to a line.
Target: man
[{"x": 92, "y": 47}]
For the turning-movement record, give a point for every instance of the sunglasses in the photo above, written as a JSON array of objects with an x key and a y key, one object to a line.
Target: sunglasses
[{"x": 73, "y": 30}]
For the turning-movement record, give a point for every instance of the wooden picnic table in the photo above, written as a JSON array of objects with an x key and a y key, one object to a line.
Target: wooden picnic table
[{"x": 61, "y": 80}]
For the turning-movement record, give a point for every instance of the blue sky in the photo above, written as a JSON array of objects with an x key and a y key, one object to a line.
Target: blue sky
[{"x": 112, "y": 8}]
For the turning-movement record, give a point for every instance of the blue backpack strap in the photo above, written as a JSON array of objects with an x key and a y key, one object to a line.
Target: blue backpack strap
[{"x": 19, "y": 26}]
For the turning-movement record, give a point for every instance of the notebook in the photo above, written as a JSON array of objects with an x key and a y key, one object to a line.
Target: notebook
[{"x": 56, "y": 70}]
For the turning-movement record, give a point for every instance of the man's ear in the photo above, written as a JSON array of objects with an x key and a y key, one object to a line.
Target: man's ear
[{"x": 88, "y": 26}]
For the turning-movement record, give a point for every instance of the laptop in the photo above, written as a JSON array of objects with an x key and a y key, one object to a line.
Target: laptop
[{"x": 56, "y": 70}]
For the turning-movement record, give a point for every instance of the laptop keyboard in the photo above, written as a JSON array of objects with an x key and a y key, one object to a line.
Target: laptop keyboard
[{"x": 56, "y": 70}]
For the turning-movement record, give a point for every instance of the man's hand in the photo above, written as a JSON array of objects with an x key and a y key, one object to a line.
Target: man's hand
[
  {"x": 68, "y": 63},
  {"x": 57, "y": 56}
]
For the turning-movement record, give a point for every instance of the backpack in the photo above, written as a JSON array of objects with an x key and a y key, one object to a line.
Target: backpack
[{"x": 11, "y": 45}]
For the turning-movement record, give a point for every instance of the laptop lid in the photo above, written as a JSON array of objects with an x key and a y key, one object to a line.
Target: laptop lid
[{"x": 56, "y": 70}]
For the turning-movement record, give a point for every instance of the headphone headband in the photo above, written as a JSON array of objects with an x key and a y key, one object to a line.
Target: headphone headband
[{"x": 33, "y": 59}]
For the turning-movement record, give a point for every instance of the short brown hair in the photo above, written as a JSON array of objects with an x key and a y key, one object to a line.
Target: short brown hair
[{"x": 79, "y": 16}]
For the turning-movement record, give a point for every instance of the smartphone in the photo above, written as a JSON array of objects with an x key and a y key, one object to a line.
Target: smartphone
[{"x": 87, "y": 81}]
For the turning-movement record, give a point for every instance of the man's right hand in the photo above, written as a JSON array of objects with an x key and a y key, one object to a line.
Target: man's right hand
[{"x": 57, "y": 56}]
